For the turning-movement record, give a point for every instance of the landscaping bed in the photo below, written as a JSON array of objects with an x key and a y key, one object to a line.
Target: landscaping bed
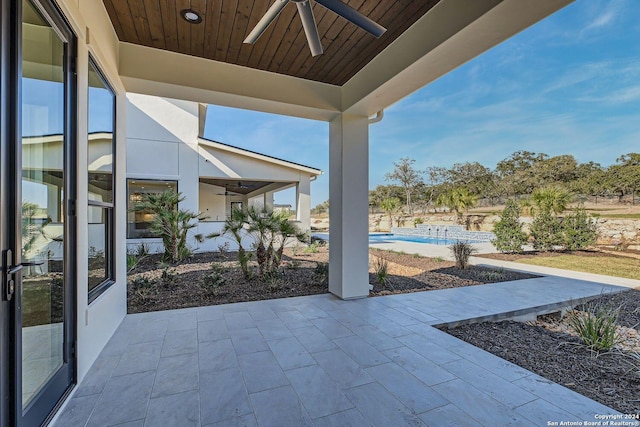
[
  {"x": 611, "y": 378},
  {"x": 215, "y": 278}
]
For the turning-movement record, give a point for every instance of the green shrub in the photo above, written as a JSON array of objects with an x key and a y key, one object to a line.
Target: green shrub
[
  {"x": 579, "y": 230},
  {"x": 321, "y": 272},
  {"x": 508, "y": 230},
  {"x": 213, "y": 282},
  {"x": 438, "y": 259},
  {"x": 546, "y": 231},
  {"x": 142, "y": 287},
  {"x": 596, "y": 325},
  {"x": 417, "y": 221},
  {"x": 168, "y": 277},
  {"x": 461, "y": 252},
  {"x": 313, "y": 248},
  {"x": 381, "y": 267}
]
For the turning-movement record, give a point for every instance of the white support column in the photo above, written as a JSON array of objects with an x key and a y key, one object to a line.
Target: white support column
[
  {"x": 348, "y": 206},
  {"x": 303, "y": 202},
  {"x": 268, "y": 200}
]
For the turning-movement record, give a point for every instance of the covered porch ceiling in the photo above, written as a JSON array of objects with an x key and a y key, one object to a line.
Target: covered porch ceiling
[
  {"x": 161, "y": 54},
  {"x": 245, "y": 187}
]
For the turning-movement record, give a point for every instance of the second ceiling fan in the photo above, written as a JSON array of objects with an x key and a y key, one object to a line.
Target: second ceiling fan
[{"x": 309, "y": 22}]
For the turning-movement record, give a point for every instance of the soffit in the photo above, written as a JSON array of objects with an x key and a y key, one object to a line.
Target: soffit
[{"x": 281, "y": 49}]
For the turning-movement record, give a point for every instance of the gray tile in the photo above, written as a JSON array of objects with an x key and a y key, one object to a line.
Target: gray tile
[
  {"x": 273, "y": 329},
  {"x": 358, "y": 349},
  {"x": 139, "y": 358},
  {"x": 290, "y": 353},
  {"x": 240, "y": 421},
  {"x": 176, "y": 374},
  {"x": 212, "y": 330},
  {"x": 313, "y": 339},
  {"x": 498, "y": 388},
  {"x": 123, "y": 399},
  {"x": 381, "y": 407},
  {"x": 261, "y": 371},
  {"x": 293, "y": 319},
  {"x": 222, "y": 396},
  {"x": 248, "y": 341},
  {"x": 77, "y": 411},
  {"x": 417, "y": 365},
  {"x": 543, "y": 413},
  {"x": 490, "y": 362},
  {"x": 181, "y": 409},
  {"x": 279, "y": 407},
  {"x": 135, "y": 423},
  {"x": 349, "y": 418},
  {"x": 319, "y": 395},
  {"x": 477, "y": 404},
  {"x": 261, "y": 313},
  {"x": 332, "y": 328},
  {"x": 98, "y": 375},
  {"x": 416, "y": 395},
  {"x": 213, "y": 312},
  {"x": 238, "y": 320},
  {"x": 378, "y": 339},
  {"x": 183, "y": 321},
  {"x": 217, "y": 355},
  {"x": 342, "y": 369},
  {"x": 448, "y": 416},
  {"x": 428, "y": 349},
  {"x": 180, "y": 342},
  {"x": 149, "y": 331}
]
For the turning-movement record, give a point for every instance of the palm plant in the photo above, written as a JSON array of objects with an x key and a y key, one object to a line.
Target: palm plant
[
  {"x": 550, "y": 199},
  {"x": 285, "y": 230},
  {"x": 262, "y": 227},
  {"x": 458, "y": 200},
  {"x": 390, "y": 205},
  {"x": 234, "y": 226}
]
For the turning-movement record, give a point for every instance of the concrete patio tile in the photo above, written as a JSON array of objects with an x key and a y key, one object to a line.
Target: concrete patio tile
[
  {"x": 570, "y": 401},
  {"x": 123, "y": 399},
  {"x": 98, "y": 375},
  {"x": 77, "y": 410},
  {"x": 212, "y": 330},
  {"x": 428, "y": 349},
  {"x": 351, "y": 417},
  {"x": 176, "y": 374},
  {"x": 248, "y": 341},
  {"x": 421, "y": 368},
  {"x": 261, "y": 371},
  {"x": 293, "y": 319},
  {"x": 311, "y": 311},
  {"x": 217, "y": 356},
  {"x": 417, "y": 314},
  {"x": 397, "y": 317},
  {"x": 477, "y": 404},
  {"x": 313, "y": 339},
  {"x": 238, "y": 320},
  {"x": 139, "y": 358},
  {"x": 181, "y": 409},
  {"x": 541, "y": 412},
  {"x": 392, "y": 329},
  {"x": 273, "y": 329},
  {"x": 149, "y": 331},
  {"x": 332, "y": 328},
  {"x": 318, "y": 394},
  {"x": 180, "y": 342},
  {"x": 358, "y": 349},
  {"x": 241, "y": 421},
  {"x": 448, "y": 416},
  {"x": 279, "y": 407},
  {"x": 222, "y": 396},
  {"x": 261, "y": 313},
  {"x": 378, "y": 339},
  {"x": 135, "y": 423},
  {"x": 348, "y": 319},
  {"x": 498, "y": 388},
  {"x": 290, "y": 353},
  {"x": 342, "y": 369},
  {"x": 183, "y": 321},
  {"x": 213, "y": 312},
  {"x": 416, "y": 395},
  {"x": 380, "y": 407},
  {"x": 491, "y": 363}
]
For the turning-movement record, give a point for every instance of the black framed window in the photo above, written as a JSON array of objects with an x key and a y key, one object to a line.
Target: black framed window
[
  {"x": 101, "y": 156},
  {"x": 138, "y": 222}
]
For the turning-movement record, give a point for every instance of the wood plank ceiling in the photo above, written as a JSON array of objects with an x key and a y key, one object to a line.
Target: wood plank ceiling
[{"x": 281, "y": 49}]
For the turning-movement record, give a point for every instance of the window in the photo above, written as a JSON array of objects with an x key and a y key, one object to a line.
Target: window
[
  {"x": 101, "y": 150},
  {"x": 138, "y": 222}
]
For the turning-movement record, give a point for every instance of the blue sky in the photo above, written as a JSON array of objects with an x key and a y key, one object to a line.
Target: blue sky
[{"x": 568, "y": 85}]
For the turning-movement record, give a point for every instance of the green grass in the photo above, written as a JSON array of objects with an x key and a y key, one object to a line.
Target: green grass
[
  {"x": 607, "y": 265},
  {"x": 621, "y": 216}
]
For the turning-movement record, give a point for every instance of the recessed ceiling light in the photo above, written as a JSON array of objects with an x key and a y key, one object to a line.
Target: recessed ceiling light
[{"x": 191, "y": 16}]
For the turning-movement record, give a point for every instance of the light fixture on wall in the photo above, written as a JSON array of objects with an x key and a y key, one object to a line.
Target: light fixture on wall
[{"x": 191, "y": 16}]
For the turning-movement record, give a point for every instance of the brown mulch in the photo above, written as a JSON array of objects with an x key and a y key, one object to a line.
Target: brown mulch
[
  {"x": 611, "y": 378},
  {"x": 153, "y": 285}
]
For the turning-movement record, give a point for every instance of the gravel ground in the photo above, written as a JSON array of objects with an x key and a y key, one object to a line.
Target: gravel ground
[{"x": 611, "y": 378}]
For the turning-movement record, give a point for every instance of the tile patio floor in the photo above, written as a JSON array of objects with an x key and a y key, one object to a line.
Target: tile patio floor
[{"x": 321, "y": 361}]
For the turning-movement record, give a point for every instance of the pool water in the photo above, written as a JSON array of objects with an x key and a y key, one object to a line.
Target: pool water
[{"x": 389, "y": 238}]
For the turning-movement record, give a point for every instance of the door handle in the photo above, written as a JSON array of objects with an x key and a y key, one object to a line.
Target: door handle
[{"x": 8, "y": 284}]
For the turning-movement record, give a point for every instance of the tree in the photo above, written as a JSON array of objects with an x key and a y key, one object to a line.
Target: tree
[
  {"x": 546, "y": 231},
  {"x": 390, "y": 205},
  {"x": 508, "y": 230},
  {"x": 170, "y": 223},
  {"x": 458, "y": 200},
  {"x": 474, "y": 177},
  {"x": 579, "y": 230},
  {"x": 517, "y": 172},
  {"x": 624, "y": 177},
  {"x": 234, "y": 226},
  {"x": 407, "y": 176},
  {"x": 552, "y": 199}
]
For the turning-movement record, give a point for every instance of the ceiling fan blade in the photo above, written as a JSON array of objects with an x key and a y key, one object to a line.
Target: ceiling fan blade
[
  {"x": 266, "y": 20},
  {"x": 310, "y": 28},
  {"x": 352, "y": 15}
]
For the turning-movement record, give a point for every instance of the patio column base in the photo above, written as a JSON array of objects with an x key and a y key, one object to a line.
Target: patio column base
[{"x": 348, "y": 206}]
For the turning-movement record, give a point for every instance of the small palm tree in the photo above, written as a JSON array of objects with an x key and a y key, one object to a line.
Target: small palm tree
[
  {"x": 390, "y": 205},
  {"x": 234, "y": 226},
  {"x": 550, "y": 199},
  {"x": 285, "y": 230},
  {"x": 458, "y": 200}
]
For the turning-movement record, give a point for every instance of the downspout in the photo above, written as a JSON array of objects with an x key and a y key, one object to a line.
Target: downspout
[{"x": 379, "y": 116}]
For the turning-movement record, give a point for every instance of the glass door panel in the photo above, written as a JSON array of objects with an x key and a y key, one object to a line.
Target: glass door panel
[{"x": 43, "y": 189}]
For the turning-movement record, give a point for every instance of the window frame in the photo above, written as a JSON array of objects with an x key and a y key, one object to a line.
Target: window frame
[
  {"x": 150, "y": 180},
  {"x": 108, "y": 207}
]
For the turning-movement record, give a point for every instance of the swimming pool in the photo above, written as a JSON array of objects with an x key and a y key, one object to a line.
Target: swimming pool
[{"x": 390, "y": 238}]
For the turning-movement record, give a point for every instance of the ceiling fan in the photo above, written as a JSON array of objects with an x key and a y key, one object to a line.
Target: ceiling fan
[
  {"x": 227, "y": 192},
  {"x": 309, "y": 22}
]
